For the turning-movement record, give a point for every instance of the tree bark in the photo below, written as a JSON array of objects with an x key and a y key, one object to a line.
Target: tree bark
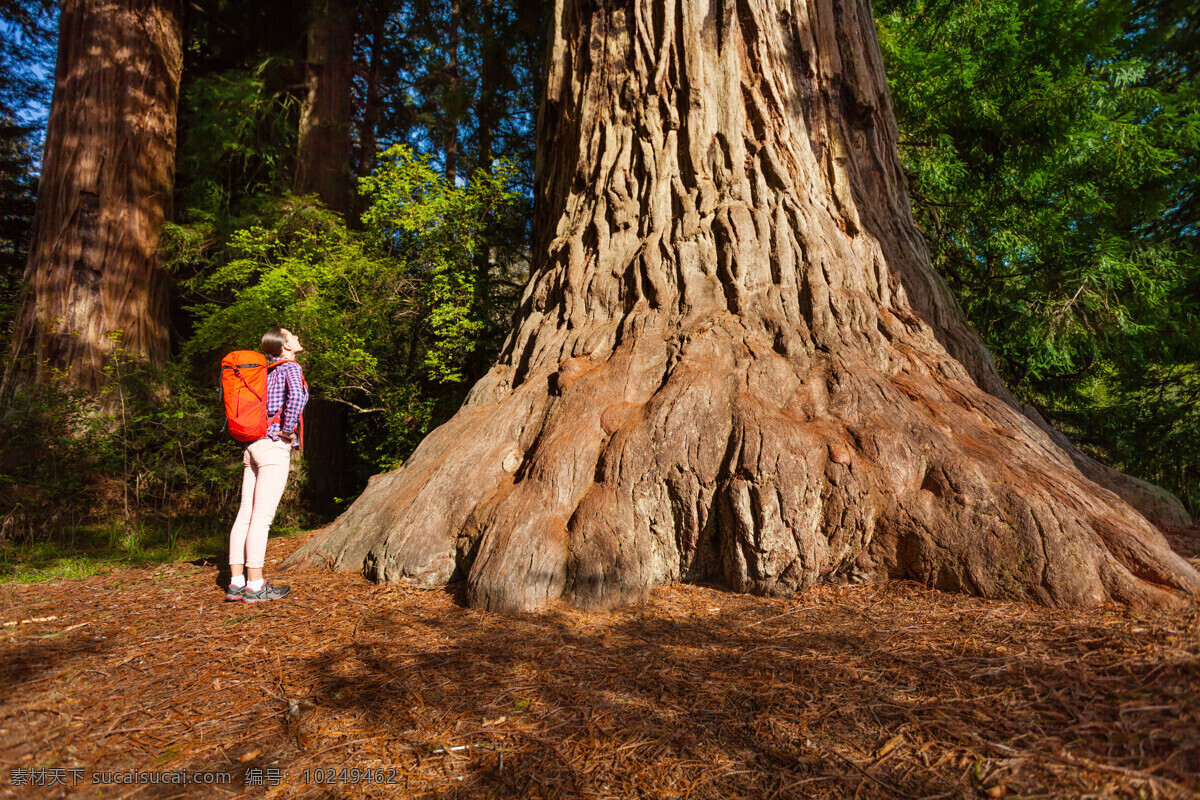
[
  {"x": 324, "y": 168},
  {"x": 487, "y": 113},
  {"x": 452, "y": 90},
  {"x": 733, "y": 360},
  {"x": 369, "y": 136},
  {"x": 94, "y": 279},
  {"x": 491, "y": 62},
  {"x": 324, "y": 162}
]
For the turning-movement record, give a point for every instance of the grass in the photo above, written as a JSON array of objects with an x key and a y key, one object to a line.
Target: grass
[{"x": 86, "y": 551}]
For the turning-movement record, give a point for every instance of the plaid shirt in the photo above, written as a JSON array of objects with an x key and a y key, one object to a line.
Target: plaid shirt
[{"x": 285, "y": 389}]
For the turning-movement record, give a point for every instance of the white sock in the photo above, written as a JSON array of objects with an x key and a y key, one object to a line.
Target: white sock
[
  {"x": 254, "y": 586},
  {"x": 237, "y": 580}
]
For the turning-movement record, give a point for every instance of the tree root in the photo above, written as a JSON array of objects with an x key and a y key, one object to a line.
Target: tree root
[{"x": 712, "y": 456}]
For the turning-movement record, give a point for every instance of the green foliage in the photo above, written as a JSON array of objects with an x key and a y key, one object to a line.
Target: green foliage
[
  {"x": 479, "y": 89},
  {"x": 1052, "y": 150},
  {"x": 385, "y": 313},
  {"x": 436, "y": 230},
  {"x": 399, "y": 312},
  {"x": 145, "y": 455},
  {"x": 141, "y": 473},
  {"x": 18, "y": 186},
  {"x": 1144, "y": 417},
  {"x": 238, "y": 137}
]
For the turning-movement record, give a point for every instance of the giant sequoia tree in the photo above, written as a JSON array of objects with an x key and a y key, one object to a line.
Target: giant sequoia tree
[
  {"x": 105, "y": 190},
  {"x": 733, "y": 360}
]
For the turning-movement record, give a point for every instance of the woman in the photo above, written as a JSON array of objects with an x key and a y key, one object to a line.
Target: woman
[{"x": 267, "y": 462}]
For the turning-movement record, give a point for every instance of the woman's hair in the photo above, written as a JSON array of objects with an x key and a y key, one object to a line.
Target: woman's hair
[{"x": 273, "y": 342}]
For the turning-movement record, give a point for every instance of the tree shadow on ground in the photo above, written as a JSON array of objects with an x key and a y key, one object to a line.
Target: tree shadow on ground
[
  {"x": 33, "y": 659},
  {"x": 747, "y": 697}
]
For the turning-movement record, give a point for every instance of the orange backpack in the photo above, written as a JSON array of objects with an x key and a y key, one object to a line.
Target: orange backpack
[{"x": 244, "y": 390}]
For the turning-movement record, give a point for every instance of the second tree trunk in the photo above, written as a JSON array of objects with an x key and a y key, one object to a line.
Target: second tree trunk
[{"x": 105, "y": 190}]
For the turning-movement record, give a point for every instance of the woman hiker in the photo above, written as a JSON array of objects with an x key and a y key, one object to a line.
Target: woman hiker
[{"x": 267, "y": 461}]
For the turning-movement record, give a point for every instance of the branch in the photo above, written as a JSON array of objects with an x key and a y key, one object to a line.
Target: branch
[
  {"x": 357, "y": 408},
  {"x": 1071, "y": 302}
]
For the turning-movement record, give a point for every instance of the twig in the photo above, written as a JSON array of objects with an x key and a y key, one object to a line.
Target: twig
[{"x": 14, "y": 622}]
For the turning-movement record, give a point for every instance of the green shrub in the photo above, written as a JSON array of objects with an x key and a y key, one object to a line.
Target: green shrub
[{"x": 388, "y": 314}]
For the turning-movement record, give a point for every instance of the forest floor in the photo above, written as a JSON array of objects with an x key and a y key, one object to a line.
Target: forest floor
[{"x": 349, "y": 689}]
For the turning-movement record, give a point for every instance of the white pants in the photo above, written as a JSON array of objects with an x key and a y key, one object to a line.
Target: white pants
[{"x": 267, "y": 463}]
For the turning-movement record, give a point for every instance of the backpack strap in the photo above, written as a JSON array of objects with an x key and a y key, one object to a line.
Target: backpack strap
[
  {"x": 278, "y": 418},
  {"x": 246, "y": 383},
  {"x": 278, "y": 414}
]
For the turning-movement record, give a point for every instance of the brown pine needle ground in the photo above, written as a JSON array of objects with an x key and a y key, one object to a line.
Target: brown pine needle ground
[{"x": 872, "y": 691}]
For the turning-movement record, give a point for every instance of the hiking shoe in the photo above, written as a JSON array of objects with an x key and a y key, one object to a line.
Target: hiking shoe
[
  {"x": 267, "y": 592},
  {"x": 235, "y": 593}
]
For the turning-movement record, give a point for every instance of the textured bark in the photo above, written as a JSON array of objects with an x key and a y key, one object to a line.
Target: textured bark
[
  {"x": 487, "y": 114},
  {"x": 104, "y": 192},
  {"x": 452, "y": 90},
  {"x": 733, "y": 361},
  {"x": 324, "y": 168},
  {"x": 324, "y": 454},
  {"x": 368, "y": 137},
  {"x": 324, "y": 162}
]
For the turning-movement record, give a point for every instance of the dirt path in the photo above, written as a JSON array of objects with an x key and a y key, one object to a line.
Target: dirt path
[{"x": 875, "y": 691}]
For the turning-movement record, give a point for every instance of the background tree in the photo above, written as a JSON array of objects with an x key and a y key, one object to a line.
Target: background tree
[
  {"x": 323, "y": 167},
  {"x": 1052, "y": 151},
  {"x": 246, "y": 143},
  {"x": 25, "y": 48},
  {"x": 17, "y": 205},
  {"x": 733, "y": 359},
  {"x": 104, "y": 192}
]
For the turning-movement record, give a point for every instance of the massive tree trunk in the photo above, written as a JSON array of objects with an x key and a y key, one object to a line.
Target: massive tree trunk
[
  {"x": 733, "y": 361},
  {"x": 105, "y": 189},
  {"x": 324, "y": 168}
]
